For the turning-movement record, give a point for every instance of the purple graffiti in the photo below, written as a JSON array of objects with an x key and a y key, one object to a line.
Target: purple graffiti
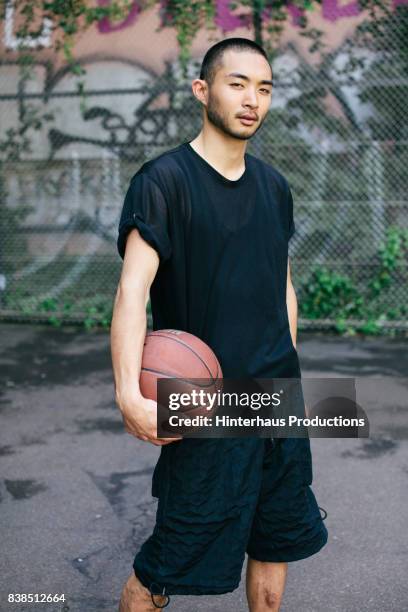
[
  {"x": 105, "y": 26},
  {"x": 227, "y": 21},
  {"x": 296, "y": 13},
  {"x": 331, "y": 10}
]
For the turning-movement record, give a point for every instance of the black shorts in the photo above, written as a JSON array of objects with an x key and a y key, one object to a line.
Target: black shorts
[{"x": 222, "y": 498}]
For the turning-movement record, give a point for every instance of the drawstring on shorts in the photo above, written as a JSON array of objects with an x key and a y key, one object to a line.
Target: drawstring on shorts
[
  {"x": 325, "y": 513},
  {"x": 153, "y": 584}
]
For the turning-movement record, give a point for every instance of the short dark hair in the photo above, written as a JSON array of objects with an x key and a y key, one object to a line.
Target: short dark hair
[{"x": 212, "y": 61}]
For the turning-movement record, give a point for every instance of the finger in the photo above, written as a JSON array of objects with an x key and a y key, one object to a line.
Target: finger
[
  {"x": 132, "y": 432},
  {"x": 159, "y": 442},
  {"x": 141, "y": 436},
  {"x": 175, "y": 437}
]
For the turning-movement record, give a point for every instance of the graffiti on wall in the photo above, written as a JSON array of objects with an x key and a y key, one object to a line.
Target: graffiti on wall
[
  {"x": 226, "y": 20},
  {"x": 331, "y": 10}
]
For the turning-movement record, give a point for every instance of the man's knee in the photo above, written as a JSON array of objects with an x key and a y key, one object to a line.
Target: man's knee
[
  {"x": 272, "y": 600},
  {"x": 266, "y": 600}
]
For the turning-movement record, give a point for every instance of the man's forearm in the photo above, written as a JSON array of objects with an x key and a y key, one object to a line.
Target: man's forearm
[
  {"x": 128, "y": 332},
  {"x": 292, "y": 306}
]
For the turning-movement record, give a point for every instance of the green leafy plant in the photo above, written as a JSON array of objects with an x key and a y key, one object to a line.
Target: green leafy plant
[
  {"x": 330, "y": 295},
  {"x": 68, "y": 19},
  {"x": 391, "y": 256}
]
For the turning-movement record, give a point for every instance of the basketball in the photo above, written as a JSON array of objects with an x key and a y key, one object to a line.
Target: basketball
[{"x": 173, "y": 353}]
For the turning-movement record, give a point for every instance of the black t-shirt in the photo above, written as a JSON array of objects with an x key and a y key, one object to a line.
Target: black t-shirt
[{"x": 223, "y": 248}]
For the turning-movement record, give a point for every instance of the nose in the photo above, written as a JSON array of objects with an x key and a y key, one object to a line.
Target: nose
[{"x": 251, "y": 98}]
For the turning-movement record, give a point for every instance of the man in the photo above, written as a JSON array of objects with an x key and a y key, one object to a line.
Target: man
[{"x": 205, "y": 229}]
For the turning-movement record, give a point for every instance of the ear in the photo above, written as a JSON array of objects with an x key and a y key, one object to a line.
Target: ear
[{"x": 200, "y": 90}]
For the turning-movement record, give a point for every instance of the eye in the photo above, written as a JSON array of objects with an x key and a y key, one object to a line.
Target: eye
[
  {"x": 266, "y": 90},
  {"x": 236, "y": 84}
]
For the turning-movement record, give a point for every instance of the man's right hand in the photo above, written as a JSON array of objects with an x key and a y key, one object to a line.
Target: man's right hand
[{"x": 140, "y": 419}]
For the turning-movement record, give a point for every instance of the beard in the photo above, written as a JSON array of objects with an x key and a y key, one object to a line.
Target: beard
[{"x": 220, "y": 120}]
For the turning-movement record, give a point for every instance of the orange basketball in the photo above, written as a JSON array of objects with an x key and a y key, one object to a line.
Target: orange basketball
[{"x": 173, "y": 353}]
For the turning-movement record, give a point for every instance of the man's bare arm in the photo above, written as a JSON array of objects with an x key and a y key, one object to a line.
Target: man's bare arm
[
  {"x": 292, "y": 306},
  {"x": 129, "y": 319},
  {"x": 128, "y": 331}
]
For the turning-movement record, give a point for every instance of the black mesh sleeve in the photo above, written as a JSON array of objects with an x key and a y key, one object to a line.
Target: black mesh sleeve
[{"x": 145, "y": 208}]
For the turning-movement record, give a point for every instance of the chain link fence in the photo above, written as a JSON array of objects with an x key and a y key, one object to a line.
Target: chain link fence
[{"x": 336, "y": 129}]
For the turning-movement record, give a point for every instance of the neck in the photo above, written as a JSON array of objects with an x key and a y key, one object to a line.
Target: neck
[{"x": 225, "y": 155}]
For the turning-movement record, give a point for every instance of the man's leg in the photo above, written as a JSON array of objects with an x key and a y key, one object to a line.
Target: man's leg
[
  {"x": 137, "y": 598},
  {"x": 287, "y": 525},
  {"x": 265, "y": 584}
]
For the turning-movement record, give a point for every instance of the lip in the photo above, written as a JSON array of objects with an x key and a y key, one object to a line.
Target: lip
[{"x": 247, "y": 120}]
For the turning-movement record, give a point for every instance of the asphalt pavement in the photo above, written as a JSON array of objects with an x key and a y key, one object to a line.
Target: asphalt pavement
[{"x": 75, "y": 488}]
